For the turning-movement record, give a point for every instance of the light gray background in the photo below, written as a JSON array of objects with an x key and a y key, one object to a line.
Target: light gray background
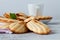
[{"x": 51, "y": 7}]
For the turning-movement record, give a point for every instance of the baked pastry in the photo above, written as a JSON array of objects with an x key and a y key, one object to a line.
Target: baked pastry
[
  {"x": 21, "y": 18},
  {"x": 43, "y": 17},
  {"x": 6, "y": 15},
  {"x": 18, "y": 27},
  {"x": 29, "y": 19},
  {"x": 21, "y": 14},
  {"x": 38, "y": 27},
  {"x": 6, "y": 20}
]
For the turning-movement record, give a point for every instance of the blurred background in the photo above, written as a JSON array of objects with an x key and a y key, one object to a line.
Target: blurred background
[{"x": 51, "y": 7}]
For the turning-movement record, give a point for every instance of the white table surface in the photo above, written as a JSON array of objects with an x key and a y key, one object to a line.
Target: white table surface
[{"x": 54, "y": 35}]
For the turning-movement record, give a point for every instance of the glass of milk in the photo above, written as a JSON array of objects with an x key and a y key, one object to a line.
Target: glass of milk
[{"x": 35, "y": 9}]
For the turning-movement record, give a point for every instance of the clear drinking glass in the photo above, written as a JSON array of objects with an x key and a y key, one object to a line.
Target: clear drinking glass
[{"x": 35, "y": 9}]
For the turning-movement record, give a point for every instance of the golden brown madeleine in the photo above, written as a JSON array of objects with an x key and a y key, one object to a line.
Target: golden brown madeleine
[
  {"x": 28, "y": 19},
  {"x": 43, "y": 17},
  {"x": 21, "y": 14},
  {"x": 7, "y": 15},
  {"x": 29, "y": 16},
  {"x": 18, "y": 27},
  {"x": 21, "y": 18},
  {"x": 38, "y": 27},
  {"x": 7, "y": 20}
]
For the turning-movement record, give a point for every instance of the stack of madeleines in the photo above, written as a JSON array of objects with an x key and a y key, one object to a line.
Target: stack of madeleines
[{"x": 21, "y": 23}]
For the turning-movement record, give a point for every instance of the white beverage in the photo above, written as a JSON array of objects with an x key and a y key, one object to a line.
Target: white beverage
[{"x": 35, "y": 9}]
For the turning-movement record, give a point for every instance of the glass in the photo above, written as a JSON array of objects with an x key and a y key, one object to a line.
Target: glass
[{"x": 35, "y": 9}]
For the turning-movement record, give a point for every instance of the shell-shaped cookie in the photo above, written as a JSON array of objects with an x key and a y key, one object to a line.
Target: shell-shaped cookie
[
  {"x": 38, "y": 27},
  {"x": 18, "y": 27},
  {"x": 7, "y": 15},
  {"x": 21, "y": 14}
]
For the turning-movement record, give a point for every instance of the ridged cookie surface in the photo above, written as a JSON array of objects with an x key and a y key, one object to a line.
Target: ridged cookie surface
[
  {"x": 38, "y": 27},
  {"x": 18, "y": 27}
]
